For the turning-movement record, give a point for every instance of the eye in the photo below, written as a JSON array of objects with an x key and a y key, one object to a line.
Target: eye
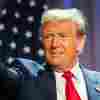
[
  {"x": 48, "y": 36},
  {"x": 62, "y": 35}
]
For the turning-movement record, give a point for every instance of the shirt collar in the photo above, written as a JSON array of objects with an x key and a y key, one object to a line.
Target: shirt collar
[{"x": 75, "y": 70}]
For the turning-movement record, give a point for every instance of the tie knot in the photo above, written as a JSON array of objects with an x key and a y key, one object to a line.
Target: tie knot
[{"x": 68, "y": 75}]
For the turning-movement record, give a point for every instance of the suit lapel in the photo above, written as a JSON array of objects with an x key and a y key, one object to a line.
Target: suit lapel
[
  {"x": 52, "y": 86},
  {"x": 49, "y": 84},
  {"x": 91, "y": 85},
  {"x": 86, "y": 81}
]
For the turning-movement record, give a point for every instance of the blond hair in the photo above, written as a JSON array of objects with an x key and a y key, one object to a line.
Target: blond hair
[{"x": 72, "y": 14}]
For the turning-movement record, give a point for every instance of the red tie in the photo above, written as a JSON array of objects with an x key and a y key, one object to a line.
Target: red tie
[{"x": 70, "y": 91}]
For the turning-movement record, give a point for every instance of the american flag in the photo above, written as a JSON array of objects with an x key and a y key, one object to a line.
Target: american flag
[{"x": 19, "y": 23}]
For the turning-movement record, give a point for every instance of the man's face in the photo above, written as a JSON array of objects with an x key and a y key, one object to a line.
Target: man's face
[{"x": 60, "y": 42}]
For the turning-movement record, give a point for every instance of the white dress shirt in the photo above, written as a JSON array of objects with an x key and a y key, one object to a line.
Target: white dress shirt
[{"x": 78, "y": 81}]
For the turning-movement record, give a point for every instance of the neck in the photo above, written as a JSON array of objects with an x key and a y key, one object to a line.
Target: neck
[{"x": 64, "y": 68}]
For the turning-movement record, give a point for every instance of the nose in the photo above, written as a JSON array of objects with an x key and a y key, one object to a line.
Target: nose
[{"x": 55, "y": 42}]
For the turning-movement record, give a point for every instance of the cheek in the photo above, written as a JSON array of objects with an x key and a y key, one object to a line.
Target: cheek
[
  {"x": 45, "y": 44},
  {"x": 70, "y": 52},
  {"x": 46, "y": 47},
  {"x": 70, "y": 49}
]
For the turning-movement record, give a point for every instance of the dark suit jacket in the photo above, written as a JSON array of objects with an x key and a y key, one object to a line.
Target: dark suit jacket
[
  {"x": 44, "y": 86},
  {"x": 8, "y": 83}
]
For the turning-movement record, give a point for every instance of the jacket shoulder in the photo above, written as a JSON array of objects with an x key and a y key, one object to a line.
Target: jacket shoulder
[{"x": 91, "y": 74}]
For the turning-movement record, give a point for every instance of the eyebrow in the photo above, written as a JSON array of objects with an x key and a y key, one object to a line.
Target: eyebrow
[
  {"x": 59, "y": 33},
  {"x": 55, "y": 33}
]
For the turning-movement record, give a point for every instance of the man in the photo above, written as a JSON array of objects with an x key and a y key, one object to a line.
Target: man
[{"x": 63, "y": 38}]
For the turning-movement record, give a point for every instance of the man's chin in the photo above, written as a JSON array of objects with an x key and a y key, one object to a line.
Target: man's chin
[{"x": 56, "y": 62}]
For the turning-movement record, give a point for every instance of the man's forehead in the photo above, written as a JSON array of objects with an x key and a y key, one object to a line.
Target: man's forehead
[
  {"x": 60, "y": 25},
  {"x": 59, "y": 22}
]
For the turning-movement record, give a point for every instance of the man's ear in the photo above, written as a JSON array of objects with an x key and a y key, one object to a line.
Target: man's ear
[{"x": 80, "y": 44}]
